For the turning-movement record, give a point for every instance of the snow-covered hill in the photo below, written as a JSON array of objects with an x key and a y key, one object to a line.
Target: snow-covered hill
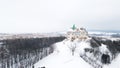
[
  {"x": 77, "y": 54},
  {"x": 78, "y": 49},
  {"x": 62, "y": 57},
  {"x": 81, "y": 50}
]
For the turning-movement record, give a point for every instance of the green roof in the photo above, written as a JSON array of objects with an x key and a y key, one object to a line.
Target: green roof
[{"x": 74, "y": 27}]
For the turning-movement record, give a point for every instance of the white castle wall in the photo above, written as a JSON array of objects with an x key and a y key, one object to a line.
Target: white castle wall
[{"x": 78, "y": 33}]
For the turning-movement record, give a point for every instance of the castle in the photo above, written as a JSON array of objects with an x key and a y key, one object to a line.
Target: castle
[{"x": 77, "y": 33}]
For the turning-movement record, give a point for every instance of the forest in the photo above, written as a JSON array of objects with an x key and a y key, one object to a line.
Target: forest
[{"x": 23, "y": 53}]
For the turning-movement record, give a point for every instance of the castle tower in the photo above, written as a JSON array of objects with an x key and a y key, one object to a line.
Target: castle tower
[{"x": 77, "y": 33}]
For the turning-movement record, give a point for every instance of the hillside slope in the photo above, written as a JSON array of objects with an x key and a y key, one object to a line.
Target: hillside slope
[{"x": 85, "y": 53}]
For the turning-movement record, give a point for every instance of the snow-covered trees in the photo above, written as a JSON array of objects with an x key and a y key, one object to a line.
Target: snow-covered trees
[
  {"x": 23, "y": 53},
  {"x": 72, "y": 48}
]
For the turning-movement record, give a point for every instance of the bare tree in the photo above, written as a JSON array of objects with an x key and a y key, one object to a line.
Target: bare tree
[{"x": 72, "y": 47}]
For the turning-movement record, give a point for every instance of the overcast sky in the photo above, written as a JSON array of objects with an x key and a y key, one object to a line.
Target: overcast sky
[{"x": 26, "y": 16}]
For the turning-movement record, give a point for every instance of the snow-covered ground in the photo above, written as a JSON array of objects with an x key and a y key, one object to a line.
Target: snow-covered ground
[
  {"x": 114, "y": 64},
  {"x": 62, "y": 61},
  {"x": 62, "y": 56}
]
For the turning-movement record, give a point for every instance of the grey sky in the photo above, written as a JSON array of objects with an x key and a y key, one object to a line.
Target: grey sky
[{"x": 19, "y": 16}]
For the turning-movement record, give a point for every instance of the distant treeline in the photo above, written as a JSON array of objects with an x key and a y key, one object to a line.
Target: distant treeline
[
  {"x": 15, "y": 53},
  {"x": 16, "y": 45}
]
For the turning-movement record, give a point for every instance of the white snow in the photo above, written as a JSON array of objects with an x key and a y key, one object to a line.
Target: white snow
[
  {"x": 103, "y": 49},
  {"x": 81, "y": 46},
  {"x": 63, "y": 58},
  {"x": 115, "y": 63}
]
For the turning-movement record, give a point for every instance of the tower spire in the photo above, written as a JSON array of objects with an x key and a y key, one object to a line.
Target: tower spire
[{"x": 73, "y": 27}]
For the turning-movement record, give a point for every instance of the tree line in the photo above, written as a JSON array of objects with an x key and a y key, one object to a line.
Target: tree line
[{"x": 16, "y": 53}]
